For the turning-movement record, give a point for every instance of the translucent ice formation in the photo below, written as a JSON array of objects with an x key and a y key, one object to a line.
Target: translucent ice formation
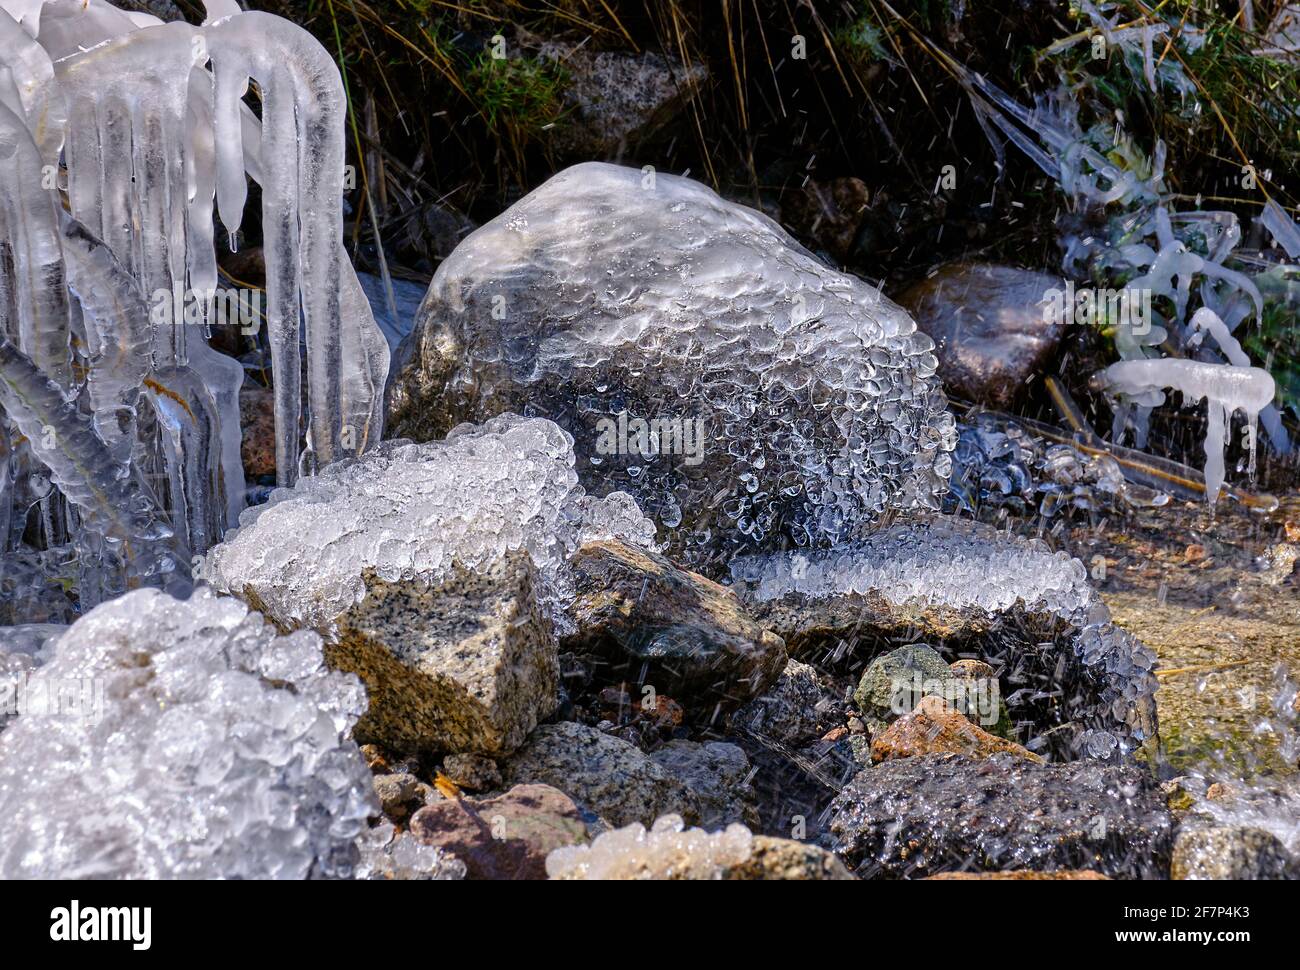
[
  {"x": 169, "y": 739},
  {"x": 407, "y": 511},
  {"x": 388, "y": 854},
  {"x": 962, "y": 565},
  {"x": 946, "y": 562},
  {"x": 1226, "y": 387},
  {"x": 743, "y": 392},
  {"x": 153, "y": 125},
  {"x": 22, "y": 650},
  {"x": 669, "y": 850}
]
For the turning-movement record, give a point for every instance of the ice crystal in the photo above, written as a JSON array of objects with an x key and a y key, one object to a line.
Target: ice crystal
[
  {"x": 408, "y": 511},
  {"x": 743, "y": 392},
  {"x": 669, "y": 850},
  {"x": 200, "y": 745}
]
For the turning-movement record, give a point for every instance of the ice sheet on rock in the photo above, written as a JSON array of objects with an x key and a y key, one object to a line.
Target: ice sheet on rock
[
  {"x": 950, "y": 562},
  {"x": 22, "y": 650},
  {"x": 408, "y": 510},
  {"x": 611, "y": 292},
  {"x": 203, "y": 746},
  {"x": 667, "y": 849},
  {"x": 967, "y": 565}
]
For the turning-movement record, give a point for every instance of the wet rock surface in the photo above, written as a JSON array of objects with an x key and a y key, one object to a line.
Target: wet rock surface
[
  {"x": 717, "y": 774},
  {"x": 988, "y": 326},
  {"x": 640, "y": 620},
  {"x": 1231, "y": 852},
  {"x": 915, "y": 817},
  {"x": 934, "y": 727},
  {"x": 895, "y": 683},
  {"x": 504, "y": 837},
  {"x": 799, "y": 708},
  {"x": 612, "y": 778}
]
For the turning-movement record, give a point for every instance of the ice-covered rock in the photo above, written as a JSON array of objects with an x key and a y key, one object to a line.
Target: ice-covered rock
[
  {"x": 743, "y": 392},
  {"x": 969, "y": 589},
  {"x": 941, "y": 561},
  {"x": 914, "y": 817},
  {"x": 200, "y": 745},
  {"x": 22, "y": 650},
  {"x": 409, "y": 511}
]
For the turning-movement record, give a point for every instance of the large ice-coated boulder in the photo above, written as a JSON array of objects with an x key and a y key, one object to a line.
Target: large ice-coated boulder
[
  {"x": 744, "y": 393},
  {"x": 169, "y": 739}
]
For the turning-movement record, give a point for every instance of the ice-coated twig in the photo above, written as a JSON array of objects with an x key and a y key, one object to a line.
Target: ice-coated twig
[
  {"x": 28, "y": 217},
  {"x": 112, "y": 504},
  {"x": 117, "y": 335},
  {"x": 1226, "y": 388}
]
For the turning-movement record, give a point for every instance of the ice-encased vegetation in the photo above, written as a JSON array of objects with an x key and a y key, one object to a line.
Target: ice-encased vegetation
[
  {"x": 1174, "y": 257},
  {"x": 140, "y": 130},
  {"x": 408, "y": 511},
  {"x": 202, "y": 745}
]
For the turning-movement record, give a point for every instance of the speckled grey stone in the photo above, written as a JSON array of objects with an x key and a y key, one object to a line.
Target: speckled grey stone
[
  {"x": 607, "y": 775},
  {"x": 470, "y": 665},
  {"x": 1231, "y": 852},
  {"x": 886, "y": 690},
  {"x": 718, "y": 774},
  {"x": 473, "y": 771}
]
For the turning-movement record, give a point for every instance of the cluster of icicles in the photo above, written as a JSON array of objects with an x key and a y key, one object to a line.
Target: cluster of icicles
[
  {"x": 120, "y": 136},
  {"x": 1153, "y": 248}
]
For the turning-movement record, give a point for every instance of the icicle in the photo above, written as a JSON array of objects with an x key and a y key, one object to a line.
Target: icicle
[
  {"x": 42, "y": 103},
  {"x": 144, "y": 76},
  {"x": 222, "y": 375},
  {"x": 37, "y": 289},
  {"x": 302, "y": 192},
  {"x": 117, "y": 336},
  {"x": 188, "y": 418}
]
